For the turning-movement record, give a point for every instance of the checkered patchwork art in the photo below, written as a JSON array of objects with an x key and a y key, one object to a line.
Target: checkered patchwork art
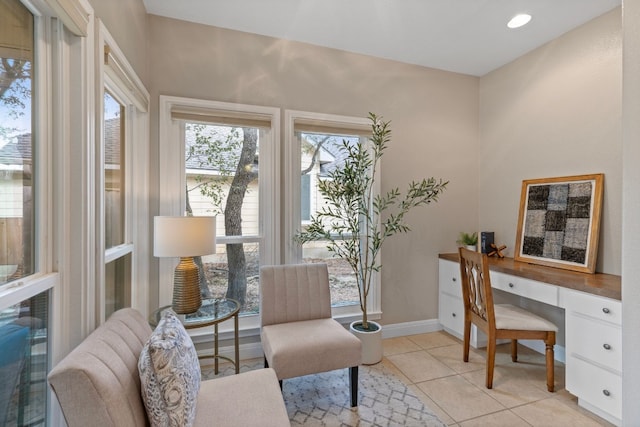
[{"x": 558, "y": 220}]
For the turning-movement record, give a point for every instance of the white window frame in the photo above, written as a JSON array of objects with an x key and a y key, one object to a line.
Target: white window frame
[
  {"x": 173, "y": 181},
  {"x": 114, "y": 73},
  {"x": 292, "y": 220}
]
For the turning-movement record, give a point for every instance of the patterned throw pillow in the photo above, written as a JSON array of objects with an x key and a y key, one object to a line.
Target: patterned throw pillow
[{"x": 169, "y": 374}]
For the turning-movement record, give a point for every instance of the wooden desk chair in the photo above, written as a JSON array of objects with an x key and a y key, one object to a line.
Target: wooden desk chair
[
  {"x": 499, "y": 321},
  {"x": 298, "y": 335}
]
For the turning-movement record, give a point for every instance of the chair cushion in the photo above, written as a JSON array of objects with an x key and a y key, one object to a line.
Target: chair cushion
[
  {"x": 311, "y": 346},
  {"x": 515, "y": 318},
  {"x": 249, "y": 399},
  {"x": 169, "y": 374}
]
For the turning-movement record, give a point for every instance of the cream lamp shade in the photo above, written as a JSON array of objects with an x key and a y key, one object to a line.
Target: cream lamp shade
[{"x": 185, "y": 237}]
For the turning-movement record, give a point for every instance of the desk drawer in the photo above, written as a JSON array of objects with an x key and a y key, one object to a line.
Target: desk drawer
[
  {"x": 449, "y": 278},
  {"x": 451, "y": 313},
  {"x": 596, "y": 386},
  {"x": 595, "y": 306},
  {"x": 526, "y": 288},
  {"x": 595, "y": 341}
]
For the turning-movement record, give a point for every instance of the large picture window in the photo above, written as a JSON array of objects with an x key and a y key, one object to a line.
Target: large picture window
[
  {"x": 222, "y": 170},
  {"x": 229, "y": 169}
]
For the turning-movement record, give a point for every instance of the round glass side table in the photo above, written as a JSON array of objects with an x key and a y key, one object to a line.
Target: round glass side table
[{"x": 212, "y": 312}]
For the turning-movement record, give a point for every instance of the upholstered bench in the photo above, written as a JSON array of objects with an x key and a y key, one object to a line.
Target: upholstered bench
[{"x": 98, "y": 384}]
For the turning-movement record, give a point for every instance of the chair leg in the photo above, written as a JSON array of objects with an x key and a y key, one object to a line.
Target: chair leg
[
  {"x": 550, "y": 367},
  {"x": 514, "y": 350},
  {"x": 353, "y": 385},
  {"x": 491, "y": 360},
  {"x": 466, "y": 339}
]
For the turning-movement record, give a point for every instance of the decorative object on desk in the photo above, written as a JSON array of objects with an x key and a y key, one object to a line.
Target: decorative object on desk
[
  {"x": 356, "y": 219},
  {"x": 185, "y": 237},
  {"x": 486, "y": 240},
  {"x": 559, "y": 222},
  {"x": 469, "y": 241},
  {"x": 497, "y": 250}
]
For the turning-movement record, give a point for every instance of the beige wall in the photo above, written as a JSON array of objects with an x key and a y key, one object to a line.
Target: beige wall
[
  {"x": 631, "y": 214},
  {"x": 434, "y": 116},
  {"x": 126, "y": 21},
  {"x": 555, "y": 112}
]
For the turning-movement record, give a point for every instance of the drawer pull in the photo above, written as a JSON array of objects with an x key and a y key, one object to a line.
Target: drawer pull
[
  {"x": 453, "y": 314},
  {"x": 511, "y": 285},
  {"x": 454, "y": 279},
  {"x": 606, "y": 392},
  {"x": 607, "y": 347},
  {"x": 606, "y": 310}
]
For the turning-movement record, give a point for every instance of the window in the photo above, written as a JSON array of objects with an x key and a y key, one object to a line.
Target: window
[
  {"x": 222, "y": 170},
  {"x": 228, "y": 169},
  {"x": 311, "y": 152},
  {"x": 121, "y": 144},
  {"x": 17, "y": 157},
  {"x": 117, "y": 255},
  {"x": 24, "y": 260}
]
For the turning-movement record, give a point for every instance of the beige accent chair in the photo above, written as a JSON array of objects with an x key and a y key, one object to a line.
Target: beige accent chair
[
  {"x": 97, "y": 384},
  {"x": 499, "y": 321},
  {"x": 299, "y": 337}
]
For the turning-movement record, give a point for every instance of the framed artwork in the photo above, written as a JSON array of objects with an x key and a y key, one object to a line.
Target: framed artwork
[{"x": 559, "y": 222}]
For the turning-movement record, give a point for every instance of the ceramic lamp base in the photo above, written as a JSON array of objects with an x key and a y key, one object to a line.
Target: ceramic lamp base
[{"x": 186, "y": 287}]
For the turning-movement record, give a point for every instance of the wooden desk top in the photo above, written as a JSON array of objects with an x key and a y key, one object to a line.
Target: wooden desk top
[{"x": 606, "y": 285}]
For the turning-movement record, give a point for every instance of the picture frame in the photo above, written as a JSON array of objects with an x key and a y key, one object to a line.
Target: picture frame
[{"x": 559, "y": 222}]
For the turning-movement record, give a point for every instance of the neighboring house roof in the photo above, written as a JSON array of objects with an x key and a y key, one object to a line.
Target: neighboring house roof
[
  {"x": 332, "y": 155},
  {"x": 112, "y": 134},
  {"x": 18, "y": 151}
]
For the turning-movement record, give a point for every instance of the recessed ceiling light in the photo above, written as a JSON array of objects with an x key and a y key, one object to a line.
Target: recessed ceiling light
[{"x": 519, "y": 20}]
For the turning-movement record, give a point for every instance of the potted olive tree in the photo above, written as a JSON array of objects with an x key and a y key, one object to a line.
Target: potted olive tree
[{"x": 355, "y": 220}]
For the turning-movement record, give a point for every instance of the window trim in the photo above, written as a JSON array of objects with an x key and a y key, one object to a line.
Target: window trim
[{"x": 332, "y": 123}]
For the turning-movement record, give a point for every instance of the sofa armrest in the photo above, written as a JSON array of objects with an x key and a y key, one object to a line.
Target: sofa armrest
[{"x": 250, "y": 399}]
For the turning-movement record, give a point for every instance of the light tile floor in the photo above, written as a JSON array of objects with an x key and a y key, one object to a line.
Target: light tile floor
[{"x": 431, "y": 364}]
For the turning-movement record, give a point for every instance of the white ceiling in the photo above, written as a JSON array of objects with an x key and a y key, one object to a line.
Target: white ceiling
[{"x": 464, "y": 36}]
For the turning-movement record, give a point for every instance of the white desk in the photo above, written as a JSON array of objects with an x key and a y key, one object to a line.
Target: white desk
[{"x": 593, "y": 322}]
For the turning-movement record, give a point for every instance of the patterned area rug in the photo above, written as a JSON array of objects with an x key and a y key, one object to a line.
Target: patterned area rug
[{"x": 323, "y": 400}]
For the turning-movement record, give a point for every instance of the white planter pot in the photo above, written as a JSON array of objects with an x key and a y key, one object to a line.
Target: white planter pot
[
  {"x": 472, "y": 247},
  {"x": 371, "y": 342}
]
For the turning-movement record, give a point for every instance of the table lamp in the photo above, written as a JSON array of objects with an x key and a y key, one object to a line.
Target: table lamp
[{"x": 185, "y": 237}]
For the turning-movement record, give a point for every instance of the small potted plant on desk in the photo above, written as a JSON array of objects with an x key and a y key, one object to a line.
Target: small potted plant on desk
[
  {"x": 469, "y": 241},
  {"x": 355, "y": 221}
]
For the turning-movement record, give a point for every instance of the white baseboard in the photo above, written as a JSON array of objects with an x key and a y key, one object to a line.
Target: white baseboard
[
  {"x": 247, "y": 351},
  {"x": 254, "y": 350},
  {"x": 411, "y": 328}
]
